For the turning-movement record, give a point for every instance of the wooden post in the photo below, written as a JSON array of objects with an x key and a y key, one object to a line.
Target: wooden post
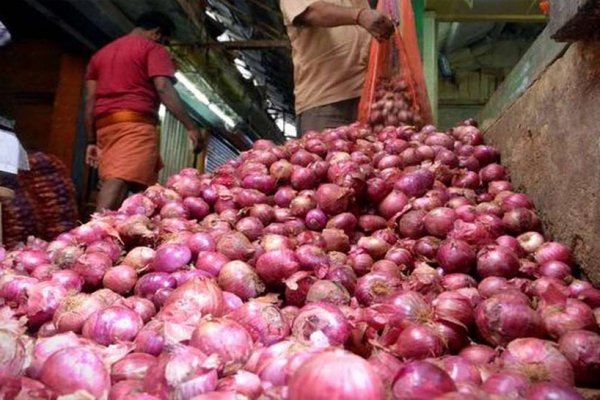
[
  {"x": 67, "y": 102},
  {"x": 430, "y": 60}
]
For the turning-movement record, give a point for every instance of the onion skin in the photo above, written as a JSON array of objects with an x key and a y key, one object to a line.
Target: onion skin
[
  {"x": 343, "y": 374},
  {"x": 500, "y": 320},
  {"x": 582, "y": 349},
  {"x": 275, "y": 266},
  {"x": 240, "y": 279},
  {"x": 552, "y": 390},
  {"x": 538, "y": 359},
  {"x": 76, "y": 368},
  {"x": 224, "y": 337},
  {"x": 421, "y": 380},
  {"x": 112, "y": 324},
  {"x": 323, "y": 318}
]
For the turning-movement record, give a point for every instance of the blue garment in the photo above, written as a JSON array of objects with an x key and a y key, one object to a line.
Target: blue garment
[{"x": 4, "y": 35}]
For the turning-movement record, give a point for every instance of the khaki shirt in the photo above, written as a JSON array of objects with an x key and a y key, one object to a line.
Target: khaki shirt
[{"x": 329, "y": 63}]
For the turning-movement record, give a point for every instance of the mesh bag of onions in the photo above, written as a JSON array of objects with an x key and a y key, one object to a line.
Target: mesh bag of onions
[
  {"x": 348, "y": 264},
  {"x": 395, "y": 90}
]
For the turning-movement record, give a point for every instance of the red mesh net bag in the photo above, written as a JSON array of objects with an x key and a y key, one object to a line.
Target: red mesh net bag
[{"x": 395, "y": 92}]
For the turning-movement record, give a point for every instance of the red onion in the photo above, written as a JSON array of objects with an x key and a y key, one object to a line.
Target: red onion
[
  {"x": 328, "y": 292},
  {"x": 460, "y": 370},
  {"x": 497, "y": 261},
  {"x": 92, "y": 267},
  {"x": 68, "y": 279},
  {"x": 76, "y": 369},
  {"x": 14, "y": 287},
  {"x": 553, "y": 251},
  {"x": 143, "y": 307},
  {"x": 415, "y": 184},
  {"x": 174, "y": 209},
  {"x": 335, "y": 374},
  {"x": 185, "y": 185},
  {"x": 507, "y": 384},
  {"x": 530, "y": 241},
  {"x": 374, "y": 287},
  {"x": 335, "y": 240},
  {"x": 235, "y": 246},
  {"x": 582, "y": 349},
  {"x": 376, "y": 248},
  {"x": 345, "y": 276},
  {"x": 561, "y": 314},
  {"x": 332, "y": 199},
  {"x": 150, "y": 283},
  {"x": 371, "y": 223},
  {"x": 43, "y": 299},
  {"x": 344, "y": 221},
  {"x": 240, "y": 279},
  {"x": 321, "y": 324},
  {"x": 242, "y": 383},
  {"x": 196, "y": 207},
  {"x": 211, "y": 262},
  {"x": 440, "y": 221},
  {"x": 392, "y": 204},
  {"x": 251, "y": 227},
  {"x": 300, "y": 206},
  {"x": 284, "y": 196},
  {"x": 132, "y": 366},
  {"x": 411, "y": 224},
  {"x": 400, "y": 256},
  {"x": 555, "y": 269},
  {"x": 120, "y": 279},
  {"x": 419, "y": 341},
  {"x": 303, "y": 178},
  {"x": 501, "y": 320},
  {"x": 150, "y": 338},
  {"x": 456, "y": 256},
  {"x": 261, "y": 182},
  {"x": 519, "y": 220},
  {"x": 197, "y": 295},
  {"x": 139, "y": 258},
  {"x": 496, "y": 187},
  {"x": 479, "y": 354},
  {"x": 275, "y": 266},
  {"x": 540, "y": 360},
  {"x": 386, "y": 366},
  {"x": 281, "y": 170},
  {"x": 111, "y": 325},
  {"x": 262, "y": 319},
  {"x": 263, "y": 212},
  {"x": 421, "y": 380},
  {"x": 316, "y": 219},
  {"x": 516, "y": 200},
  {"x": 552, "y": 390},
  {"x": 74, "y": 310},
  {"x": 455, "y": 281},
  {"x": 226, "y": 338},
  {"x": 453, "y": 307}
]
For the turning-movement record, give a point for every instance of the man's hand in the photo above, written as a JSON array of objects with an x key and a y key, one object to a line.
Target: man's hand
[
  {"x": 92, "y": 155},
  {"x": 377, "y": 24},
  {"x": 197, "y": 138}
]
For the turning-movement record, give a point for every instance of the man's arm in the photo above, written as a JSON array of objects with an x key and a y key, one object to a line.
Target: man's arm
[
  {"x": 326, "y": 15},
  {"x": 169, "y": 97}
]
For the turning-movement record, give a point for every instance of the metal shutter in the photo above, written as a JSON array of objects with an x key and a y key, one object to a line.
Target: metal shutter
[{"x": 219, "y": 152}]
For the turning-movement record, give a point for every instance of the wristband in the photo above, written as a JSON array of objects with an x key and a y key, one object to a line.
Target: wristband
[{"x": 359, "y": 14}]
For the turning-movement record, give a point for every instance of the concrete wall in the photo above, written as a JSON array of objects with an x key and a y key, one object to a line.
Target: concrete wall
[{"x": 550, "y": 141}]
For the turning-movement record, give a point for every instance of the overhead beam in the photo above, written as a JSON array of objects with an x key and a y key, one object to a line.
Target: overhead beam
[
  {"x": 490, "y": 18},
  {"x": 573, "y": 20},
  {"x": 61, "y": 23},
  {"x": 252, "y": 44}
]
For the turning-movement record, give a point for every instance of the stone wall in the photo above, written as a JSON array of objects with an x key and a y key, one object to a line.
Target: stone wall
[{"x": 550, "y": 141}]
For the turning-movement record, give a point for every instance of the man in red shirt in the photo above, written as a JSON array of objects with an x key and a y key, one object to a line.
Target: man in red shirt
[{"x": 126, "y": 82}]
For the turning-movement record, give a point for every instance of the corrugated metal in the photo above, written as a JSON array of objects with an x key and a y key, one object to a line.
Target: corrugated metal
[
  {"x": 218, "y": 154},
  {"x": 174, "y": 147}
]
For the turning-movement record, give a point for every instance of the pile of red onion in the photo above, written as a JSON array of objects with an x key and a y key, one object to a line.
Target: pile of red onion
[{"x": 349, "y": 264}]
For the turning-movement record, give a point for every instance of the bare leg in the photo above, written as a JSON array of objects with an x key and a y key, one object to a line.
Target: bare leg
[{"x": 112, "y": 193}]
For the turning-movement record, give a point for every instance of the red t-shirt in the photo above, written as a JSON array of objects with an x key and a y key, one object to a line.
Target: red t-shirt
[{"x": 123, "y": 71}]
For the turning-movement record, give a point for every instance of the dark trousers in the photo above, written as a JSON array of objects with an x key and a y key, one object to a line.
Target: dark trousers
[{"x": 327, "y": 116}]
